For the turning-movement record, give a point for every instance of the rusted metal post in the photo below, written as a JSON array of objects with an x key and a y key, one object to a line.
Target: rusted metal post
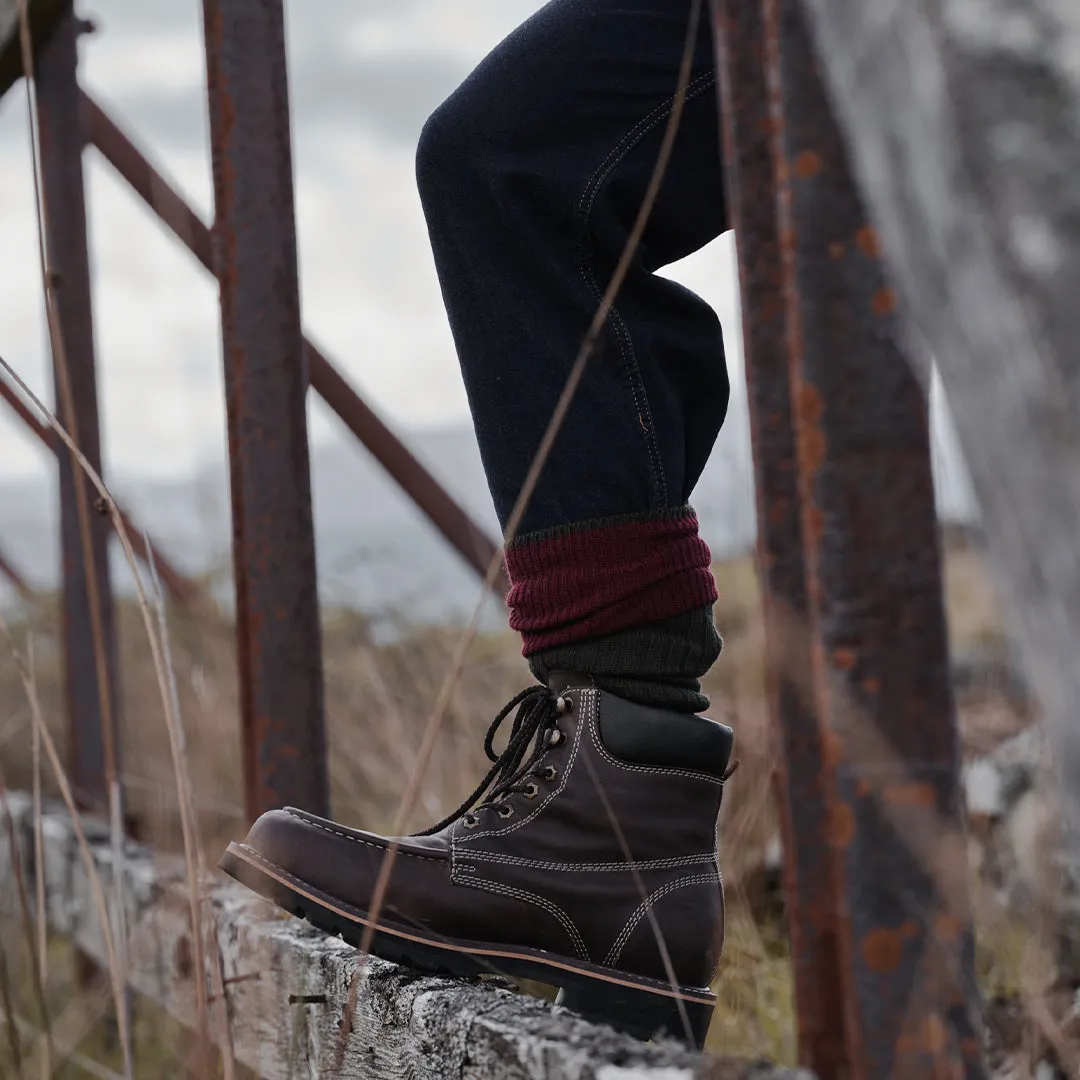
[
  {"x": 89, "y": 631},
  {"x": 277, "y": 614},
  {"x": 809, "y": 886},
  {"x": 880, "y": 683},
  {"x": 468, "y": 538}
]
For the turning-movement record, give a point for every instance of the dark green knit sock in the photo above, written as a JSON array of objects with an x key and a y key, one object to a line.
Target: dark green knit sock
[{"x": 659, "y": 665}]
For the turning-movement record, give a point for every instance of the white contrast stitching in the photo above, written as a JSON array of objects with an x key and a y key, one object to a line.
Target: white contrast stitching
[
  {"x": 538, "y": 864},
  {"x": 532, "y": 898},
  {"x": 401, "y": 850},
  {"x": 655, "y": 770},
  {"x": 650, "y": 901}
]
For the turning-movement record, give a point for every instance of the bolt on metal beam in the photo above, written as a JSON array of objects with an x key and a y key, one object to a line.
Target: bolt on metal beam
[
  {"x": 880, "y": 682},
  {"x": 89, "y": 629},
  {"x": 751, "y": 191},
  {"x": 278, "y": 633},
  {"x": 458, "y": 528}
]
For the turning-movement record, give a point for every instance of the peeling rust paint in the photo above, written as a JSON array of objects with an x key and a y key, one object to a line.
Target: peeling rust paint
[
  {"x": 879, "y": 682},
  {"x": 749, "y": 126}
]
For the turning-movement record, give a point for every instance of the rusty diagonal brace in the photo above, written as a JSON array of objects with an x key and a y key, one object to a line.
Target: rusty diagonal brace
[
  {"x": 179, "y": 587},
  {"x": 470, "y": 540}
]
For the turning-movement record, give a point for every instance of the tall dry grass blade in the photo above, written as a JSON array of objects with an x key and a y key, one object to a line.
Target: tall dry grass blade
[
  {"x": 67, "y": 402},
  {"x": 100, "y": 903},
  {"x": 7, "y": 1000},
  {"x": 186, "y": 797},
  {"x": 586, "y": 351},
  {"x": 93, "y": 585},
  {"x": 32, "y": 942},
  {"x": 39, "y": 862},
  {"x": 160, "y": 667}
]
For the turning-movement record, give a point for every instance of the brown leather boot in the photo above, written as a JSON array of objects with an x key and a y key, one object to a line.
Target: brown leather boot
[{"x": 590, "y": 864}]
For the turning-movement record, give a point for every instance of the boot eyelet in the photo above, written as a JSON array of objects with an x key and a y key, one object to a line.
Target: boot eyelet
[
  {"x": 506, "y": 811},
  {"x": 470, "y": 822},
  {"x": 555, "y": 738},
  {"x": 563, "y": 705},
  {"x": 550, "y": 772},
  {"x": 532, "y": 791}
]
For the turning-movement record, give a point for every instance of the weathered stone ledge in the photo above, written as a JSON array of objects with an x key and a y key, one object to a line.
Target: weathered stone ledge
[{"x": 286, "y": 984}]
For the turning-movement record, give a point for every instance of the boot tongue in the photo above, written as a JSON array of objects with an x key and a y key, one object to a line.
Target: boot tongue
[{"x": 559, "y": 681}]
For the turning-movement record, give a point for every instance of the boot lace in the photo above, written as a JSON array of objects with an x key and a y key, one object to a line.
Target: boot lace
[{"x": 536, "y": 722}]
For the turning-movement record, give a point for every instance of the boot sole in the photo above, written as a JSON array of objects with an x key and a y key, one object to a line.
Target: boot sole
[{"x": 644, "y": 1008}]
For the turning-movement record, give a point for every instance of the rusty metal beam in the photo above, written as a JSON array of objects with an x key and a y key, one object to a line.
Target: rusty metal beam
[
  {"x": 89, "y": 626},
  {"x": 277, "y": 612},
  {"x": 468, "y": 538},
  {"x": 809, "y": 886},
  {"x": 179, "y": 587},
  {"x": 879, "y": 684}
]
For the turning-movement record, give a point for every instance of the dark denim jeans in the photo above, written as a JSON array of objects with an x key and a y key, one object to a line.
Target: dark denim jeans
[{"x": 531, "y": 176}]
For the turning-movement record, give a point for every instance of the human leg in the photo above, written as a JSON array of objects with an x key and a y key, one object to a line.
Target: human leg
[
  {"x": 587, "y": 858},
  {"x": 532, "y": 175}
]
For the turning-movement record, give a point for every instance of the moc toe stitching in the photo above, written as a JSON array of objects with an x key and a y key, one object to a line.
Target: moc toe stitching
[
  {"x": 649, "y": 902},
  {"x": 672, "y": 863},
  {"x": 401, "y": 848}
]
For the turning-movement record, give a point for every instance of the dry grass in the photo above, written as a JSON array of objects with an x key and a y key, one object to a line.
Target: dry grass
[{"x": 378, "y": 697}]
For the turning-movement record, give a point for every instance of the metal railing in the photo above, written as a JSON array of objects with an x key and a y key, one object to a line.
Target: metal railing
[{"x": 860, "y": 697}]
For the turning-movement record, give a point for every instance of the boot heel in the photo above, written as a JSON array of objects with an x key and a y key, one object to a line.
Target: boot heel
[{"x": 640, "y": 1013}]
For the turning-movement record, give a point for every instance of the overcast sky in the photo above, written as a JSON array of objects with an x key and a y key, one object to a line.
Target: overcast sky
[{"x": 364, "y": 74}]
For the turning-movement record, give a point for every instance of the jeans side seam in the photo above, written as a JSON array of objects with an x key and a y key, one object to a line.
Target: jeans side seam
[{"x": 588, "y": 271}]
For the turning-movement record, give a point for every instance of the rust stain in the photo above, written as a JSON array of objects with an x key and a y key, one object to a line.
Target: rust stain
[
  {"x": 910, "y": 794},
  {"x": 844, "y": 659},
  {"x": 832, "y": 749},
  {"x": 948, "y": 927},
  {"x": 866, "y": 240},
  {"x": 909, "y": 930},
  {"x": 883, "y": 949},
  {"x": 884, "y": 302},
  {"x": 808, "y": 164},
  {"x": 864, "y": 789},
  {"x": 871, "y": 684},
  {"x": 841, "y": 826},
  {"x": 809, "y": 409},
  {"x": 814, "y": 522},
  {"x": 836, "y": 249}
]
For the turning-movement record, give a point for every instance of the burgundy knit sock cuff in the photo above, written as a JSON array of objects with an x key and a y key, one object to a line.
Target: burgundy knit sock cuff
[{"x": 581, "y": 581}]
